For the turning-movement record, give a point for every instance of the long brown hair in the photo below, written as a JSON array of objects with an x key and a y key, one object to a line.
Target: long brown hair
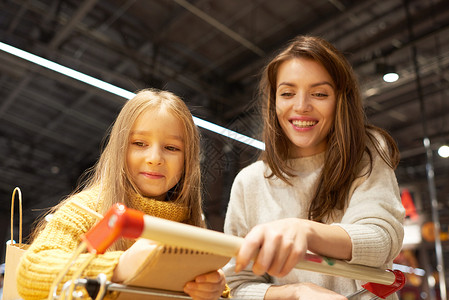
[
  {"x": 348, "y": 138},
  {"x": 110, "y": 173}
]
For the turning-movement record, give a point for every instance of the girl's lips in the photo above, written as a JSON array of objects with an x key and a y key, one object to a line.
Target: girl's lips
[{"x": 152, "y": 175}]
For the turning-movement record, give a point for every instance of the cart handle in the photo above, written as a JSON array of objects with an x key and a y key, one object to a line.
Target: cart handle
[{"x": 121, "y": 221}]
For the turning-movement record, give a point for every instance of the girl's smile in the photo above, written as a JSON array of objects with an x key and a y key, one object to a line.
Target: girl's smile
[
  {"x": 152, "y": 175},
  {"x": 155, "y": 156}
]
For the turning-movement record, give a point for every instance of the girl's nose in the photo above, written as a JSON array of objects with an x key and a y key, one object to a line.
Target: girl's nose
[
  {"x": 154, "y": 156},
  {"x": 302, "y": 103}
]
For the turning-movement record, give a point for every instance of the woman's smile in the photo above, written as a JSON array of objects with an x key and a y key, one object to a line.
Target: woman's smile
[{"x": 305, "y": 105}]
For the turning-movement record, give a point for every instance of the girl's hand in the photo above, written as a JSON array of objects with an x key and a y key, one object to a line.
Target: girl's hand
[
  {"x": 278, "y": 245},
  {"x": 206, "y": 286},
  {"x": 131, "y": 259},
  {"x": 303, "y": 291}
]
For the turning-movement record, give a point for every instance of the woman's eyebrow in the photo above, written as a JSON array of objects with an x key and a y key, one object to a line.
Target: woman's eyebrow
[
  {"x": 286, "y": 83},
  {"x": 313, "y": 85},
  {"x": 323, "y": 83}
]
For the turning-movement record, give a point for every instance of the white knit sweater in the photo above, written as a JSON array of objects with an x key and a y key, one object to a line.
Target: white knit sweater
[{"x": 373, "y": 219}]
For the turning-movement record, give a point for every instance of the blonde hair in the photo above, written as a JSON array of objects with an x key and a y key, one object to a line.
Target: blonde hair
[{"x": 110, "y": 173}]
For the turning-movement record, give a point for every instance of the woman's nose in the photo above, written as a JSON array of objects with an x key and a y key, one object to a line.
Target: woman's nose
[{"x": 302, "y": 103}]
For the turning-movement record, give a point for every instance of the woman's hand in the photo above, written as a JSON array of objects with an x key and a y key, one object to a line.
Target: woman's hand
[
  {"x": 279, "y": 245},
  {"x": 131, "y": 259},
  {"x": 207, "y": 286},
  {"x": 302, "y": 291}
]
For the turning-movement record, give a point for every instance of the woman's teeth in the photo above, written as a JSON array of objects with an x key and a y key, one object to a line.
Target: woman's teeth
[{"x": 303, "y": 124}]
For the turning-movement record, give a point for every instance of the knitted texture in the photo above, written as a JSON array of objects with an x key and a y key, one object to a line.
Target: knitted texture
[
  {"x": 53, "y": 247},
  {"x": 161, "y": 209},
  {"x": 373, "y": 220}
]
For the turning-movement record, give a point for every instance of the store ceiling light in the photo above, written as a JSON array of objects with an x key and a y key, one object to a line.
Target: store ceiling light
[
  {"x": 443, "y": 151},
  {"x": 122, "y": 92},
  {"x": 391, "y": 77},
  {"x": 387, "y": 71}
]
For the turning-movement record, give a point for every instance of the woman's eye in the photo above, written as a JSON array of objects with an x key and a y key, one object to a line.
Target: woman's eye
[
  {"x": 287, "y": 94},
  {"x": 139, "y": 144},
  {"x": 320, "y": 95}
]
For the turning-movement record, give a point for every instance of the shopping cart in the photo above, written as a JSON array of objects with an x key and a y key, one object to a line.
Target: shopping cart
[{"x": 123, "y": 222}]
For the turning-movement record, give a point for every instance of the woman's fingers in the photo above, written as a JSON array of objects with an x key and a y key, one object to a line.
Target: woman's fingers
[
  {"x": 250, "y": 248},
  {"x": 296, "y": 253},
  {"x": 270, "y": 254},
  {"x": 276, "y": 246}
]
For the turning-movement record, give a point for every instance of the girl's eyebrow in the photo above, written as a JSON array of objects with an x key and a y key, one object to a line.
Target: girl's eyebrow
[{"x": 144, "y": 132}]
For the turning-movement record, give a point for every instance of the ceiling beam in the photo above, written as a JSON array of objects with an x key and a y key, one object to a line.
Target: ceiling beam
[
  {"x": 77, "y": 17},
  {"x": 221, "y": 27}
]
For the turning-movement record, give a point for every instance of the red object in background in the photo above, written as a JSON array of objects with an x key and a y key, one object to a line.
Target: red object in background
[{"x": 407, "y": 202}]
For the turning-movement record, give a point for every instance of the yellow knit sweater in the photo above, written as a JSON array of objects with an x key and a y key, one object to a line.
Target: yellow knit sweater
[{"x": 54, "y": 246}]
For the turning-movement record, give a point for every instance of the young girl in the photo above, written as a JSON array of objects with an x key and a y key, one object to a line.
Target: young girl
[
  {"x": 325, "y": 184},
  {"x": 151, "y": 163}
]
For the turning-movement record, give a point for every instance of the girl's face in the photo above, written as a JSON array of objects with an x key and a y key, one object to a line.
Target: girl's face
[
  {"x": 305, "y": 105},
  {"x": 155, "y": 156}
]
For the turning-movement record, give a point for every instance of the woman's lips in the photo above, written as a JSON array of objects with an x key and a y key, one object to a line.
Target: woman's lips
[{"x": 303, "y": 124}]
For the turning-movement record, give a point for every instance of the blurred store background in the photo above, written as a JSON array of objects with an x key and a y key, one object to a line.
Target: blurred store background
[{"x": 210, "y": 52}]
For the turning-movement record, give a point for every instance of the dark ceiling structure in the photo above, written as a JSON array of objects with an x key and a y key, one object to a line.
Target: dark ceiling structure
[{"x": 210, "y": 53}]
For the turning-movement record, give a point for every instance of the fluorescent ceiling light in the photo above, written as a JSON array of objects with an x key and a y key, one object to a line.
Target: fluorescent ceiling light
[
  {"x": 391, "y": 77},
  {"x": 409, "y": 270},
  {"x": 122, "y": 92},
  {"x": 443, "y": 151}
]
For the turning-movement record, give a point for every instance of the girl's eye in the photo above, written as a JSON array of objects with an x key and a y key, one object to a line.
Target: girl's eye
[
  {"x": 139, "y": 144},
  {"x": 172, "y": 148}
]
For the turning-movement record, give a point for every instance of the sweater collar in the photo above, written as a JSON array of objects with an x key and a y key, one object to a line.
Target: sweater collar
[
  {"x": 307, "y": 164},
  {"x": 161, "y": 209}
]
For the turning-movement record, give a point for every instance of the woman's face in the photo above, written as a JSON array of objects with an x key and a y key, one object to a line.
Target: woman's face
[
  {"x": 305, "y": 105},
  {"x": 155, "y": 156}
]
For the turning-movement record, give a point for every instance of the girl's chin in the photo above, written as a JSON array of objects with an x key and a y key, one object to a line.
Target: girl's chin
[{"x": 152, "y": 196}]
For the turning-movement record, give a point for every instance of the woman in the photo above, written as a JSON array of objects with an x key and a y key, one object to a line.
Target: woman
[{"x": 325, "y": 183}]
